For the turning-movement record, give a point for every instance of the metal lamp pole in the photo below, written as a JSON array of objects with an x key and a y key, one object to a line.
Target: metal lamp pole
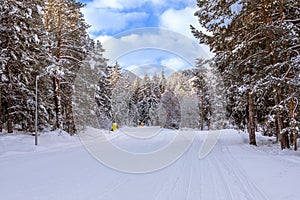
[
  {"x": 36, "y": 110},
  {"x": 55, "y": 68},
  {"x": 36, "y": 106}
]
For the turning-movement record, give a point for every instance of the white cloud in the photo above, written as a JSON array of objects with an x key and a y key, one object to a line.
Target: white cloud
[
  {"x": 104, "y": 38},
  {"x": 153, "y": 38},
  {"x": 116, "y": 4},
  {"x": 107, "y": 4},
  {"x": 175, "y": 63},
  {"x": 109, "y": 20},
  {"x": 108, "y": 16},
  {"x": 150, "y": 70},
  {"x": 132, "y": 4},
  {"x": 142, "y": 48},
  {"x": 116, "y": 15},
  {"x": 173, "y": 3},
  {"x": 180, "y": 20}
]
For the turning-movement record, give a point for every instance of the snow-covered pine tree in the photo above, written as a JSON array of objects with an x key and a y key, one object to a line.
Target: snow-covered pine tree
[
  {"x": 219, "y": 118},
  {"x": 148, "y": 98},
  {"x": 271, "y": 70},
  {"x": 86, "y": 87},
  {"x": 67, "y": 30},
  {"x": 199, "y": 83},
  {"x": 22, "y": 57},
  {"x": 144, "y": 103},
  {"x": 171, "y": 106},
  {"x": 188, "y": 100},
  {"x": 283, "y": 68},
  {"x": 133, "y": 102},
  {"x": 103, "y": 92},
  {"x": 53, "y": 11},
  {"x": 247, "y": 43},
  {"x": 115, "y": 74},
  {"x": 162, "y": 81},
  {"x": 234, "y": 43},
  {"x": 103, "y": 100},
  {"x": 155, "y": 98},
  {"x": 182, "y": 86},
  {"x": 120, "y": 101}
]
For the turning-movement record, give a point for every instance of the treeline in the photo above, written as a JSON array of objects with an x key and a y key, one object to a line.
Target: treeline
[
  {"x": 45, "y": 41},
  {"x": 129, "y": 100},
  {"x": 257, "y": 52},
  {"x": 192, "y": 98}
]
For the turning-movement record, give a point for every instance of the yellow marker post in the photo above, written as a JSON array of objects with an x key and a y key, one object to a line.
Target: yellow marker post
[{"x": 114, "y": 126}]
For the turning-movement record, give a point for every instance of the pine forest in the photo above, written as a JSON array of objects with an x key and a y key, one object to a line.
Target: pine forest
[{"x": 251, "y": 84}]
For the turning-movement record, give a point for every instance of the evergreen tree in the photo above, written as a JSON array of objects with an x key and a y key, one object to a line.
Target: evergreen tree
[
  {"x": 67, "y": 30},
  {"x": 133, "y": 102},
  {"x": 115, "y": 74},
  {"x": 23, "y": 55},
  {"x": 171, "y": 106},
  {"x": 148, "y": 100},
  {"x": 155, "y": 98},
  {"x": 199, "y": 83},
  {"x": 144, "y": 101},
  {"x": 179, "y": 83},
  {"x": 120, "y": 101},
  {"x": 162, "y": 81},
  {"x": 252, "y": 44},
  {"x": 282, "y": 54},
  {"x": 219, "y": 116},
  {"x": 103, "y": 91}
]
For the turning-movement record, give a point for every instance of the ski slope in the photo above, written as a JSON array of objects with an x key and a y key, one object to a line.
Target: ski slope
[{"x": 61, "y": 168}]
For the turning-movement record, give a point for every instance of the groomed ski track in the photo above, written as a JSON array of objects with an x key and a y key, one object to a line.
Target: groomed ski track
[{"x": 233, "y": 170}]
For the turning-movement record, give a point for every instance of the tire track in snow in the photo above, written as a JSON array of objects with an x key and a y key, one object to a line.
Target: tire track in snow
[
  {"x": 163, "y": 186},
  {"x": 227, "y": 189},
  {"x": 193, "y": 158},
  {"x": 183, "y": 182},
  {"x": 208, "y": 180},
  {"x": 200, "y": 170},
  {"x": 175, "y": 182},
  {"x": 113, "y": 186},
  {"x": 248, "y": 187}
]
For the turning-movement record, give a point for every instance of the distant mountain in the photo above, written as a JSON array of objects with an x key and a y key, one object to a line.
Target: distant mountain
[
  {"x": 131, "y": 75},
  {"x": 151, "y": 69}
]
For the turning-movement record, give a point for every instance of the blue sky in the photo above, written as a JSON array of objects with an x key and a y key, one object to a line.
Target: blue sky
[{"x": 145, "y": 32}]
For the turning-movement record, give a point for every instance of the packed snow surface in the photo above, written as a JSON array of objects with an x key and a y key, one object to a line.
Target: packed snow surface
[{"x": 62, "y": 168}]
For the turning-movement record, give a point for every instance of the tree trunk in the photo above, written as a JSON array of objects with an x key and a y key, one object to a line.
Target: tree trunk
[
  {"x": 283, "y": 137},
  {"x": 9, "y": 109},
  {"x": 201, "y": 113},
  {"x": 279, "y": 124},
  {"x": 208, "y": 124},
  {"x": 293, "y": 133},
  {"x": 251, "y": 124},
  {"x": 9, "y": 96},
  {"x": 57, "y": 102},
  {"x": 1, "y": 122},
  {"x": 69, "y": 112},
  {"x": 256, "y": 123},
  {"x": 284, "y": 141},
  {"x": 295, "y": 136},
  {"x": 56, "y": 81}
]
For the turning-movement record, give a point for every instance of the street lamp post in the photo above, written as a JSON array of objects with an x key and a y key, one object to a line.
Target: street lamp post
[
  {"x": 36, "y": 110},
  {"x": 54, "y": 68},
  {"x": 36, "y": 106}
]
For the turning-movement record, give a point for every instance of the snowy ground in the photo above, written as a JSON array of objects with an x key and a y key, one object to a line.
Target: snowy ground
[{"x": 61, "y": 168}]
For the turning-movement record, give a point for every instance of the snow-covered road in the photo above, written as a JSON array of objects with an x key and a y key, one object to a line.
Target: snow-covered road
[{"x": 60, "y": 168}]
